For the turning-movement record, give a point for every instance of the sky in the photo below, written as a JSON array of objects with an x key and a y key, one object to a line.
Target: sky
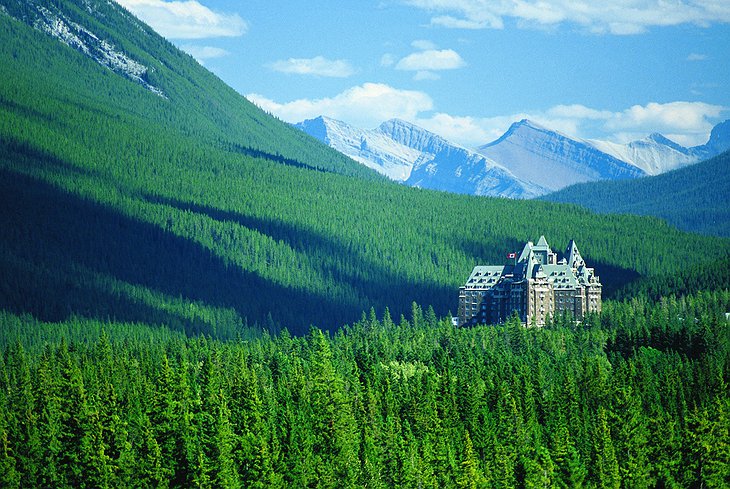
[{"x": 616, "y": 70}]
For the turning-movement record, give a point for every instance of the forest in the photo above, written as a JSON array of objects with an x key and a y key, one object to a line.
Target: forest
[
  {"x": 636, "y": 397},
  {"x": 183, "y": 282},
  {"x": 693, "y": 198}
]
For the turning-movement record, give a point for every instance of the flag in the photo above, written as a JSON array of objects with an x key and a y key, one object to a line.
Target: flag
[{"x": 511, "y": 255}]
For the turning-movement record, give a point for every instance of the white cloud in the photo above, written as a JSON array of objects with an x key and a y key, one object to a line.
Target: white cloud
[
  {"x": 431, "y": 60},
  {"x": 186, "y": 19},
  {"x": 687, "y": 123},
  {"x": 204, "y": 53},
  {"x": 365, "y": 106},
  {"x": 467, "y": 131},
  {"x": 368, "y": 105},
  {"x": 696, "y": 57},
  {"x": 317, "y": 66},
  {"x": 620, "y": 17},
  {"x": 426, "y": 75}
]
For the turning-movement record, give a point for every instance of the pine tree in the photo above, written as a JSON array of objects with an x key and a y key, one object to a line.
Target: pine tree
[
  {"x": 606, "y": 467},
  {"x": 470, "y": 475}
]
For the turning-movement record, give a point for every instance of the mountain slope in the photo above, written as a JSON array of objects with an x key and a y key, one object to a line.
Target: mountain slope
[
  {"x": 654, "y": 154},
  {"x": 694, "y": 199},
  {"x": 197, "y": 211},
  {"x": 537, "y": 154},
  {"x": 407, "y": 153},
  {"x": 172, "y": 82},
  {"x": 657, "y": 154},
  {"x": 371, "y": 148}
]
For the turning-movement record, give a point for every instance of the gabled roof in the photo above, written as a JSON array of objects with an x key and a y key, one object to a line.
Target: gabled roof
[
  {"x": 543, "y": 244},
  {"x": 525, "y": 255},
  {"x": 574, "y": 258},
  {"x": 485, "y": 276}
]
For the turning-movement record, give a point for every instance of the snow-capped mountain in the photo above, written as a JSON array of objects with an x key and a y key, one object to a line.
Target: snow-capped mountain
[
  {"x": 409, "y": 154},
  {"x": 553, "y": 160},
  {"x": 371, "y": 148},
  {"x": 654, "y": 154},
  {"x": 527, "y": 161}
]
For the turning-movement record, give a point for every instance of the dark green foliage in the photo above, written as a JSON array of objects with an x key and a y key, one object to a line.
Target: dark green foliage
[
  {"x": 376, "y": 405},
  {"x": 694, "y": 198}
]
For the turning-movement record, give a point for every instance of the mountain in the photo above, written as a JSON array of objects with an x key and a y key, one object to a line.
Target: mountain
[
  {"x": 407, "y": 153},
  {"x": 373, "y": 149},
  {"x": 553, "y": 160},
  {"x": 106, "y": 36},
  {"x": 718, "y": 142},
  {"x": 654, "y": 154},
  {"x": 527, "y": 161},
  {"x": 657, "y": 154},
  {"x": 693, "y": 199},
  {"x": 160, "y": 196}
]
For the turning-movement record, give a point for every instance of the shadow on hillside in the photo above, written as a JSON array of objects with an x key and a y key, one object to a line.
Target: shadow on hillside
[
  {"x": 370, "y": 280},
  {"x": 54, "y": 243},
  {"x": 613, "y": 278},
  {"x": 257, "y": 153}
]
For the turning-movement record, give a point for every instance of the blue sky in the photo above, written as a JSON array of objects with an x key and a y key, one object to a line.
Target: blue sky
[{"x": 466, "y": 69}]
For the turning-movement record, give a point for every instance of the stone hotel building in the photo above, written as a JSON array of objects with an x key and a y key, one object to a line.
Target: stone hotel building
[{"x": 537, "y": 285}]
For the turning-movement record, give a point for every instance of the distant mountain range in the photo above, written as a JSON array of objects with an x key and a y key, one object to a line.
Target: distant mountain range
[
  {"x": 527, "y": 161},
  {"x": 407, "y": 153}
]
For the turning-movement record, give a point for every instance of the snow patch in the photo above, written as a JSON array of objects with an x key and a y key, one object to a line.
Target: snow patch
[{"x": 100, "y": 50}]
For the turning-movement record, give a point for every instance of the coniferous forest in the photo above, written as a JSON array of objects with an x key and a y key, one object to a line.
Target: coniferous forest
[
  {"x": 195, "y": 294},
  {"x": 634, "y": 398}
]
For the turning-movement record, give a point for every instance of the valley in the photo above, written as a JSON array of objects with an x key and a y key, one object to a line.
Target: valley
[{"x": 194, "y": 293}]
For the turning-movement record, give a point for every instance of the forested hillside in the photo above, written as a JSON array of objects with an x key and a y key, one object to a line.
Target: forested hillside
[
  {"x": 695, "y": 198},
  {"x": 200, "y": 212}
]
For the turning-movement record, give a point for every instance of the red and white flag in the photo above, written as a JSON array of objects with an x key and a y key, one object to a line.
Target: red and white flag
[{"x": 511, "y": 255}]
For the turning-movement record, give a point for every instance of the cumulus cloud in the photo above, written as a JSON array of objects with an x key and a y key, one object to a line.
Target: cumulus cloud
[
  {"x": 317, "y": 66},
  {"x": 431, "y": 60},
  {"x": 620, "y": 17},
  {"x": 369, "y": 104},
  {"x": 186, "y": 19},
  {"x": 464, "y": 130},
  {"x": 365, "y": 105},
  {"x": 204, "y": 53},
  {"x": 687, "y": 123}
]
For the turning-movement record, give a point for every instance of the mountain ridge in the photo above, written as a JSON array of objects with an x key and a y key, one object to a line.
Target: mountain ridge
[
  {"x": 539, "y": 159},
  {"x": 552, "y": 159},
  {"x": 407, "y": 153}
]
